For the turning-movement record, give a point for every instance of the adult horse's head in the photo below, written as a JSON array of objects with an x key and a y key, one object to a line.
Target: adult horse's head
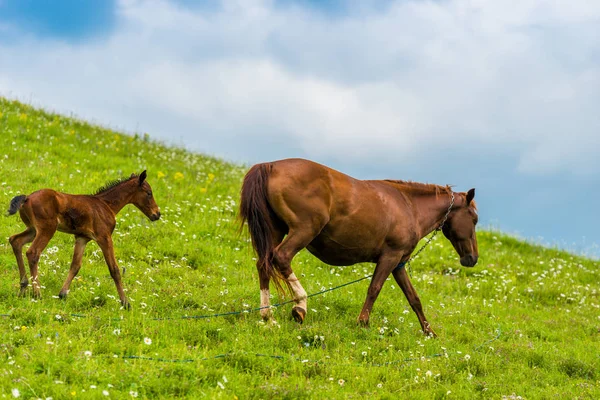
[
  {"x": 459, "y": 228},
  {"x": 143, "y": 198}
]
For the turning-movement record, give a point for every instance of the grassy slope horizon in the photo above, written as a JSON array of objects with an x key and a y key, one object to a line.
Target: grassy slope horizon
[{"x": 524, "y": 322}]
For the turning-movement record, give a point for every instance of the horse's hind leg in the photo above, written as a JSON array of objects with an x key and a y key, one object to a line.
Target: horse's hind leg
[
  {"x": 17, "y": 242},
  {"x": 413, "y": 299},
  {"x": 263, "y": 277},
  {"x": 283, "y": 254},
  {"x": 80, "y": 243},
  {"x": 34, "y": 251}
]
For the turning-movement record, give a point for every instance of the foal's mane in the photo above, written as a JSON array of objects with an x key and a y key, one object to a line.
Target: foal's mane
[
  {"x": 421, "y": 188},
  {"x": 112, "y": 184}
]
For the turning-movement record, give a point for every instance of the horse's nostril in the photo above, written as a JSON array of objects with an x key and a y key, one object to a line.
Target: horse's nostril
[{"x": 469, "y": 260}]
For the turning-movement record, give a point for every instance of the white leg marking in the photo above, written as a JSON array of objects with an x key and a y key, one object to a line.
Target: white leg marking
[
  {"x": 299, "y": 292},
  {"x": 265, "y": 302}
]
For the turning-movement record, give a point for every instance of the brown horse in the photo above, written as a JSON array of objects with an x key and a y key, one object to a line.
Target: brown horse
[
  {"x": 294, "y": 204},
  {"x": 88, "y": 217}
]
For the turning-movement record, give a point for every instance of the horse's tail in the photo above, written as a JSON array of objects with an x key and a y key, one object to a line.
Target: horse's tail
[
  {"x": 16, "y": 203},
  {"x": 256, "y": 210}
]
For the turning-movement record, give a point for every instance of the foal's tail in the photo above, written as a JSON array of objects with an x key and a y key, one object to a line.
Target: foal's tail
[
  {"x": 16, "y": 203},
  {"x": 255, "y": 208}
]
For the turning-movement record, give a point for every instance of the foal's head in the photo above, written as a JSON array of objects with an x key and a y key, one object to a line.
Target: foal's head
[
  {"x": 143, "y": 199},
  {"x": 460, "y": 228}
]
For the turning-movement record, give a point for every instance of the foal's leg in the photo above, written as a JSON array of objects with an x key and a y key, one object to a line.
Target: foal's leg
[
  {"x": 43, "y": 236},
  {"x": 80, "y": 243},
  {"x": 413, "y": 299},
  {"x": 106, "y": 245},
  {"x": 17, "y": 242},
  {"x": 283, "y": 254},
  {"x": 385, "y": 265}
]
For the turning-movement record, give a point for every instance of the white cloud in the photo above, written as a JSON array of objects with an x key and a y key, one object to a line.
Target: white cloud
[{"x": 522, "y": 77}]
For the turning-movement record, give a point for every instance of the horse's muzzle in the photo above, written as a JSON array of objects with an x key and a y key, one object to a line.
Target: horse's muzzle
[
  {"x": 469, "y": 260},
  {"x": 155, "y": 217}
]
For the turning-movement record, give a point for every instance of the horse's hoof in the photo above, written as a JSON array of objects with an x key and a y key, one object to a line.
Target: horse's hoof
[
  {"x": 363, "y": 322},
  {"x": 430, "y": 332},
  {"x": 126, "y": 305},
  {"x": 37, "y": 295},
  {"x": 62, "y": 295},
  {"x": 298, "y": 313}
]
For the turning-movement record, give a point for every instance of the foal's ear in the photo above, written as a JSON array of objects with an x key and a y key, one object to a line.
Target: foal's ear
[
  {"x": 142, "y": 177},
  {"x": 470, "y": 196}
]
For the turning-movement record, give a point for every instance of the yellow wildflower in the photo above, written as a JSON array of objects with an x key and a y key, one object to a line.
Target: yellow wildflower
[
  {"x": 161, "y": 174},
  {"x": 178, "y": 176}
]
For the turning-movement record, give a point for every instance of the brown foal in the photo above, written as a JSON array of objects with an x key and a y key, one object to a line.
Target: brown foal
[
  {"x": 88, "y": 217},
  {"x": 294, "y": 204}
]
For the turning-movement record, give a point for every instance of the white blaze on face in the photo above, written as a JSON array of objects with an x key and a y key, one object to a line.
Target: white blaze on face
[
  {"x": 265, "y": 302},
  {"x": 299, "y": 292}
]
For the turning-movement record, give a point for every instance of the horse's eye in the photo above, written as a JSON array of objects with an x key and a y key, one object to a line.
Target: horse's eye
[{"x": 149, "y": 194}]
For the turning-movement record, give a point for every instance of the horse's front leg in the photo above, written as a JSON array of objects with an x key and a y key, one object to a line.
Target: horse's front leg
[
  {"x": 106, "y": 245},
  {"x": 413, "y": 299},
  {"x": 80, "y": 243},
  {"x": 384, "y": 267}
]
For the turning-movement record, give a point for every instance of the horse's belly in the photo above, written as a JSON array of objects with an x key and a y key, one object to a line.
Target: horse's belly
[{"x": 333, "y": 253}]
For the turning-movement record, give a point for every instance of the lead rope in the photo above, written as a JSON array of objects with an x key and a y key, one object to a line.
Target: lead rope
[{"x": 406, "y": 264}]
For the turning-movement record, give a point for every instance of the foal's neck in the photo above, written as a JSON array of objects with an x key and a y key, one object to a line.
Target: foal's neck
[{"x": 117, "y": 197}]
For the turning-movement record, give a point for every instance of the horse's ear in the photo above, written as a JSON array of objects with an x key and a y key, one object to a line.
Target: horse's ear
[
  {"x": 470, "y": 196},
  {"x": 142, "y": 177}
]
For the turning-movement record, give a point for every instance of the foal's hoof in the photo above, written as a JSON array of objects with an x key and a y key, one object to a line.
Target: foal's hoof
[
  {"x": 363, "y": 322},
  {"x": 126, "y": 305},
  {"x": 62, "y": 295},
  {"x": 37, "y": 294},
  {"x": 298, "y": 313},
  {"x": 23, "y": 292}
]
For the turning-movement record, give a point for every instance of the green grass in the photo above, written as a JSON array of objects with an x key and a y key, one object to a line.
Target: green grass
[{"x": 524, "y": 322}]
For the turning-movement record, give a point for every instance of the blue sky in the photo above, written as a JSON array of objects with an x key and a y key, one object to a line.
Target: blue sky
[{"x": 501, "y": 96}]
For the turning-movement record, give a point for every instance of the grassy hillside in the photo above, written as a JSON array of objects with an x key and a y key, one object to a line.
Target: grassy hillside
[{"x": 524, "y": 322}]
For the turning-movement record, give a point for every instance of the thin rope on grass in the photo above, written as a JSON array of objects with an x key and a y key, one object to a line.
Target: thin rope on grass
[
  {"x": 258, "y": 308},
  {"x": 498, "y": 333},
  {"x": 189, "y": 360}
]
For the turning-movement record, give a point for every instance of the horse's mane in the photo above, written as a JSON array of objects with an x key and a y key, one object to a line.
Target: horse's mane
[
  {"x": 111, "y": 184},
  {"x": 421, "y": 188}
]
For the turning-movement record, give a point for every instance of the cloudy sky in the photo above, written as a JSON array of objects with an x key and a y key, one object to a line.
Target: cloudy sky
[{"x": 503, "y": 96}]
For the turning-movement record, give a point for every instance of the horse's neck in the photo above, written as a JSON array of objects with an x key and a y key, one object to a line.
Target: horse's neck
[
  {"x": 431, "y": 210},
  {"x": 115, "y": 198}
]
